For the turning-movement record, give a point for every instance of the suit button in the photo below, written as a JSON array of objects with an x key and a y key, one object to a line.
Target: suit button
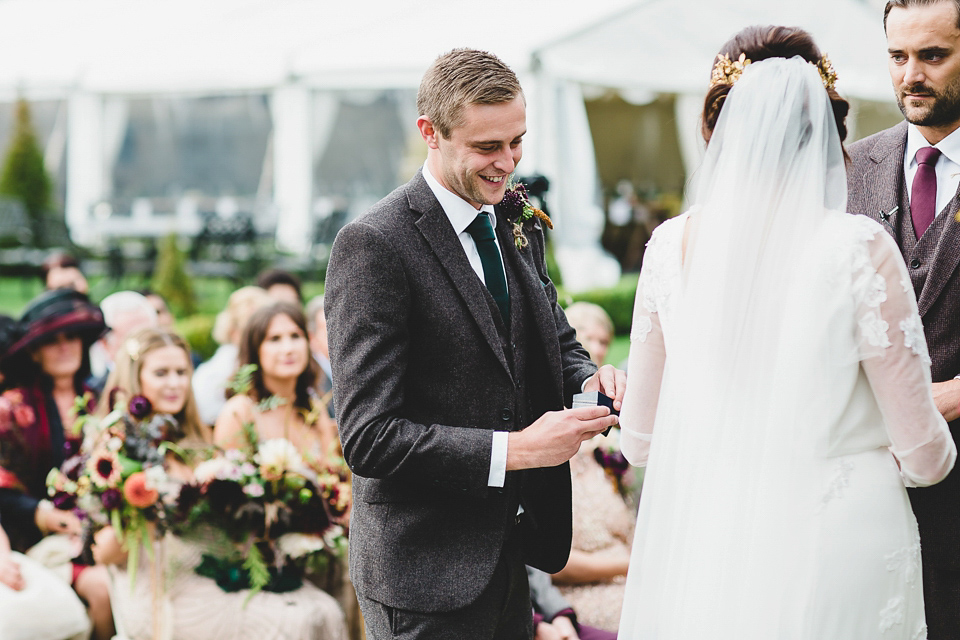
[
  {"x": 914, "y": 264},
  {"x": 506, "y": 415}
]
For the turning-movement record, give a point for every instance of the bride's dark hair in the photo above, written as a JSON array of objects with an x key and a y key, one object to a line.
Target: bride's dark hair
[{"x": 758, "y": 43}]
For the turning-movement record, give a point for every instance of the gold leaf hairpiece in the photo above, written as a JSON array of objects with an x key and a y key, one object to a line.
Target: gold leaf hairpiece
[{"x": 727, "y": 71}]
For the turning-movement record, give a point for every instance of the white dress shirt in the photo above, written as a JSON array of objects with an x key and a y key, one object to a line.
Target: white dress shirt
[
  {"x": 461, "y": 213},
  {"x": 947, "y": 167}
]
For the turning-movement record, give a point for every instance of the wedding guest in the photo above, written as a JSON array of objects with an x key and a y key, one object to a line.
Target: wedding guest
[
  {"x": 62, "y": 271},
  {"x": 164, "y": 316},
  {"x": 48, "y": 365},
  {"x": 124, "y": 312},
  {"x": 594, "y": 329},
  {"x": 317, "y": 328},
  {"x": 275, "y": 340},
  {"x": 211, "y": 377},
  {"x": 35, "y": 604},
  {"x": 281, "y": 285},
  {"x": 554, "y": 617}
]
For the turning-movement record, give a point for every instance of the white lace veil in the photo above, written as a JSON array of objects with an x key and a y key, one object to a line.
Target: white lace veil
[{"x": 728, "y": 415}]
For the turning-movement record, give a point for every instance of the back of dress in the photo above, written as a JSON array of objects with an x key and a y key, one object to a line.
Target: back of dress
[{"x": 765, "y": 329}]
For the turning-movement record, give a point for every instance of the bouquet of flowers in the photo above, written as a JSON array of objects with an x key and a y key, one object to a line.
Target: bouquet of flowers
[
  {"x": 15, "y": 416},
  {"x": 624, "y": 477},
  {"x": 273, "y": 514},
  {"x": 118, "y": 476}
]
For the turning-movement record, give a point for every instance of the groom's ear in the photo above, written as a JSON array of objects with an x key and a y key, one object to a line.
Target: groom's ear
[{"x": 427, "y": 131}]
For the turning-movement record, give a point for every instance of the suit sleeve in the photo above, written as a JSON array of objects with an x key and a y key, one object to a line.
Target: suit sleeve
[{"x": 367, "y": 302}]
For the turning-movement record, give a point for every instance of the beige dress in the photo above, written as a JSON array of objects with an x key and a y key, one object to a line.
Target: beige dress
[
  {"x": 194, "y": 607},
  {"x": 601, "y": 522}
]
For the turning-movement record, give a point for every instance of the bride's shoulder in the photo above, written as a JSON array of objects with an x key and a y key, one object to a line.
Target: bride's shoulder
[{"x": 851, "y": 227}]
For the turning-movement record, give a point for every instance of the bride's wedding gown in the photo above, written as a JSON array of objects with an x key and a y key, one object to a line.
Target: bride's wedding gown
[{"x": 791, "y": 522}]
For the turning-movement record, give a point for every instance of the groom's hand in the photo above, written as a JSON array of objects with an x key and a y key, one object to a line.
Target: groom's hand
[
  {"x": 611, "y": 381},
  {"x": 555, "y": 437}
]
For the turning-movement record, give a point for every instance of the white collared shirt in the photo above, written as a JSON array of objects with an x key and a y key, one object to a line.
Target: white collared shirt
[
  {"x": 947, "y": 168},
  {"x": 461, "y": 213}
]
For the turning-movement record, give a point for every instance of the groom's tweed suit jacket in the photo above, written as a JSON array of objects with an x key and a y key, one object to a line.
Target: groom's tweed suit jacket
[
  {"x": 424, "y": 370},
  {"x": 876, "y": 184}
]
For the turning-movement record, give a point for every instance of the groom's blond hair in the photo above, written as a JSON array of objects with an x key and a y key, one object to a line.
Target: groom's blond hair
[{"x": 461, "y": 77}]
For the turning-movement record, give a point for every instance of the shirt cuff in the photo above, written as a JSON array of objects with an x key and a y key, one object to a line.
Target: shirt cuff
[{"x": 498, "y": 459}]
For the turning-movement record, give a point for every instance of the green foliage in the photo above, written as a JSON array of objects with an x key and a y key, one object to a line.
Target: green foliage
[
  {"x": 197, "y": 330},
  {"x": 171, "y": 279},
  {"x": 259, "y": 572},
  {"x": 616, "y": 301},
  {"x": 24, "y": 176}
]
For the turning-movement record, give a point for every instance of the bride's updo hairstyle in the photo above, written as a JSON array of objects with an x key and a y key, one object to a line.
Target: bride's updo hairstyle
[{"x": 758, "y": 43}]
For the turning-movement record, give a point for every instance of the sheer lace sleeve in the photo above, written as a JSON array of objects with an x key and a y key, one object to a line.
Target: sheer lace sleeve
[
  {"x": 644, "y": 369},
  {"x": 887, "y": 319}
]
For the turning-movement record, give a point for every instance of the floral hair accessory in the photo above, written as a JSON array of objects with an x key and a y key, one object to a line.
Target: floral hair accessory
[
  {"x": 132, "y": 346},
  {"x": 516, "y": 204},
  {"x": 727, "y": 71},
  {"x": 139, "y": 407}
]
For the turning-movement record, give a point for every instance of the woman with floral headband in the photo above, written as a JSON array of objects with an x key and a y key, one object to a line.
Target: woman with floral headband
[
  {"x": 150, "y": 385},
  {"x": 779, "y": 390},
  {"x": 47, "y": 365}
]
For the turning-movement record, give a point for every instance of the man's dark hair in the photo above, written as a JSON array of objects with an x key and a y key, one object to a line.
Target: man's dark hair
[
  {"x": 271, "y": 277},
  {"x": 906, "y": 4},
  {"x": 57, "y": 260}
]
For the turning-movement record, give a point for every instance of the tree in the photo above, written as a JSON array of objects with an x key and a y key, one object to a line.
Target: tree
[
  {"x": 171, "y": 279},
  {"x": 24, "y": 176}
]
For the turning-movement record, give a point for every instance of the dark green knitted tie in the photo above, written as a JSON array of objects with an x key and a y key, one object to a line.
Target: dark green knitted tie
[{"x": 483, "y": 236}]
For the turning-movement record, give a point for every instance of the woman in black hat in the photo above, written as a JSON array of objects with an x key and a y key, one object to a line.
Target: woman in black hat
[{"x": 48, "y": 364}]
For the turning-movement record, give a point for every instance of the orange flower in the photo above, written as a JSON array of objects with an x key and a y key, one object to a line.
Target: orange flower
[{"x": 136, "y": 492}]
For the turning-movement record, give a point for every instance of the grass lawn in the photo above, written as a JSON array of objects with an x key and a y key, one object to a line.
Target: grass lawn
[{"x": 619, "y": 350}]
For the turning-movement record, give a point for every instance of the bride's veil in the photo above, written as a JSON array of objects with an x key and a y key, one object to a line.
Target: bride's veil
[{"x": 729, "y": 463}]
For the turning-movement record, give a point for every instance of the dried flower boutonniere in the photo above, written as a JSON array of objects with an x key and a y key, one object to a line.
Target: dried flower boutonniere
[{"x": 516, "y": 204}]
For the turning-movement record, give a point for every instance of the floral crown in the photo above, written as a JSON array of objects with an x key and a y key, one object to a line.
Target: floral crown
[{"x": 727, "y": 71}]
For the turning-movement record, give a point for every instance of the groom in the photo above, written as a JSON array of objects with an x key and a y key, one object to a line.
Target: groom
[
  {"x": 907, "y": 178},
  {"x": 452, "y": 363}
]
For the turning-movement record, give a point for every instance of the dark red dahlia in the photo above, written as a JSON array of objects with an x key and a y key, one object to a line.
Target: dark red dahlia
[
  {"x": 139, "y": 407},
  {"x": 111, "y": 499}
]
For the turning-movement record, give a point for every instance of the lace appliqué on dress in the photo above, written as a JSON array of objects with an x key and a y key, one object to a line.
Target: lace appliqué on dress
[
  {"x": 892, "y": 614},
  {"x": 661, "y": 270},
  {"x": 921, "y": 633},
  {"x": 874, "y": 329},
  {"x": 906, "y": 560},
  {"x": 869, "y": 288},
  {"x": 913, "y": 337},
  {"x": 840, "y": 480},
  {"x": 641, "y": 327}
]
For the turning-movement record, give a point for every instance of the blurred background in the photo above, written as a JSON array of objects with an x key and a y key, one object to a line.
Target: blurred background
[{"x": 188, "y": 144}]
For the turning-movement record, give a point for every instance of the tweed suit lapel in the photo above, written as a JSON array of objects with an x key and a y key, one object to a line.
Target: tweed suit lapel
[
  {"x": 531, "y": 288},
  {"x": 946, "y": 257},
  {"x": 881, "y": 179},
  {"x": 435, "y": 227}
]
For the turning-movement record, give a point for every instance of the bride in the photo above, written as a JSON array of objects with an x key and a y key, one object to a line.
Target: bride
[{"x": 779, "y": 389}]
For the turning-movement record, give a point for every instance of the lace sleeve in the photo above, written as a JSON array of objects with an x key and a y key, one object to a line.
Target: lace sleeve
[
  {"x": 644, "y": 372},
  {"x": 887, "y": 318}
]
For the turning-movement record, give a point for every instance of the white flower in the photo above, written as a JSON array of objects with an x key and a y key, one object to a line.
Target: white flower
[
  {"x": 253, "y": 490},
  {"x": 248, "y": 469},
  {"x": 235, "y": 455},
  {"x": 297, "y": 545},
  {"x": 212, "y": 469},
  {"x": 156, "y": 477},
  {"x": 114, "y": 444},
  {"x": 277, "y": 456},
  {"x": 331, "y": 534}
]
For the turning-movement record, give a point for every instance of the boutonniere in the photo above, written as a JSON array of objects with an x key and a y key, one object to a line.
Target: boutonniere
[{"x": 516, "y": 204}]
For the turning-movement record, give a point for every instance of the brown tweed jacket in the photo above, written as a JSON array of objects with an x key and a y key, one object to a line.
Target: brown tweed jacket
[
  {"x": 876, "y": 186},
  {"x": 424, "y": 370}
]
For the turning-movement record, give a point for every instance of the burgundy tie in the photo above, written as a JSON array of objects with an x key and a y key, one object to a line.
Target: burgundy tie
[{"x": 923, "y": 196}]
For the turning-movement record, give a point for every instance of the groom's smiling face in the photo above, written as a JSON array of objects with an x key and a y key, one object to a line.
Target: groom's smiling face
[{"x": 475, "y": 161}]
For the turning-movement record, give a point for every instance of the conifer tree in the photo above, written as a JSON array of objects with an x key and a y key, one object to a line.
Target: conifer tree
[
  {"x": 24, "y": 176},
  {"x": 171, "y": 280}
]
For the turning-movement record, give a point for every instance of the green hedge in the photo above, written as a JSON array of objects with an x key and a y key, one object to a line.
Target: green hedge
[
  {"x": 617, "y": 301},
  {"x": 197, "y": 331}
]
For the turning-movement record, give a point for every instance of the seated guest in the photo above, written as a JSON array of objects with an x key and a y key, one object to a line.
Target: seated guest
[
  {"x": 62, "y": 271},
  {"x": 282, "y": 285},
  {"x": 594, "y": 329},
  {"x": 211, "y": 377},
  {"x": 47, "y": 366},
  {"x": 553, "y": 616},
  {"x": 159, "y": 304},
  {"x": 124, "y": 312}
]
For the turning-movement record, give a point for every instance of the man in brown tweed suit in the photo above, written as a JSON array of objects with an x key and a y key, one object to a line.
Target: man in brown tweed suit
[{"x": 923, "y": 38}]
